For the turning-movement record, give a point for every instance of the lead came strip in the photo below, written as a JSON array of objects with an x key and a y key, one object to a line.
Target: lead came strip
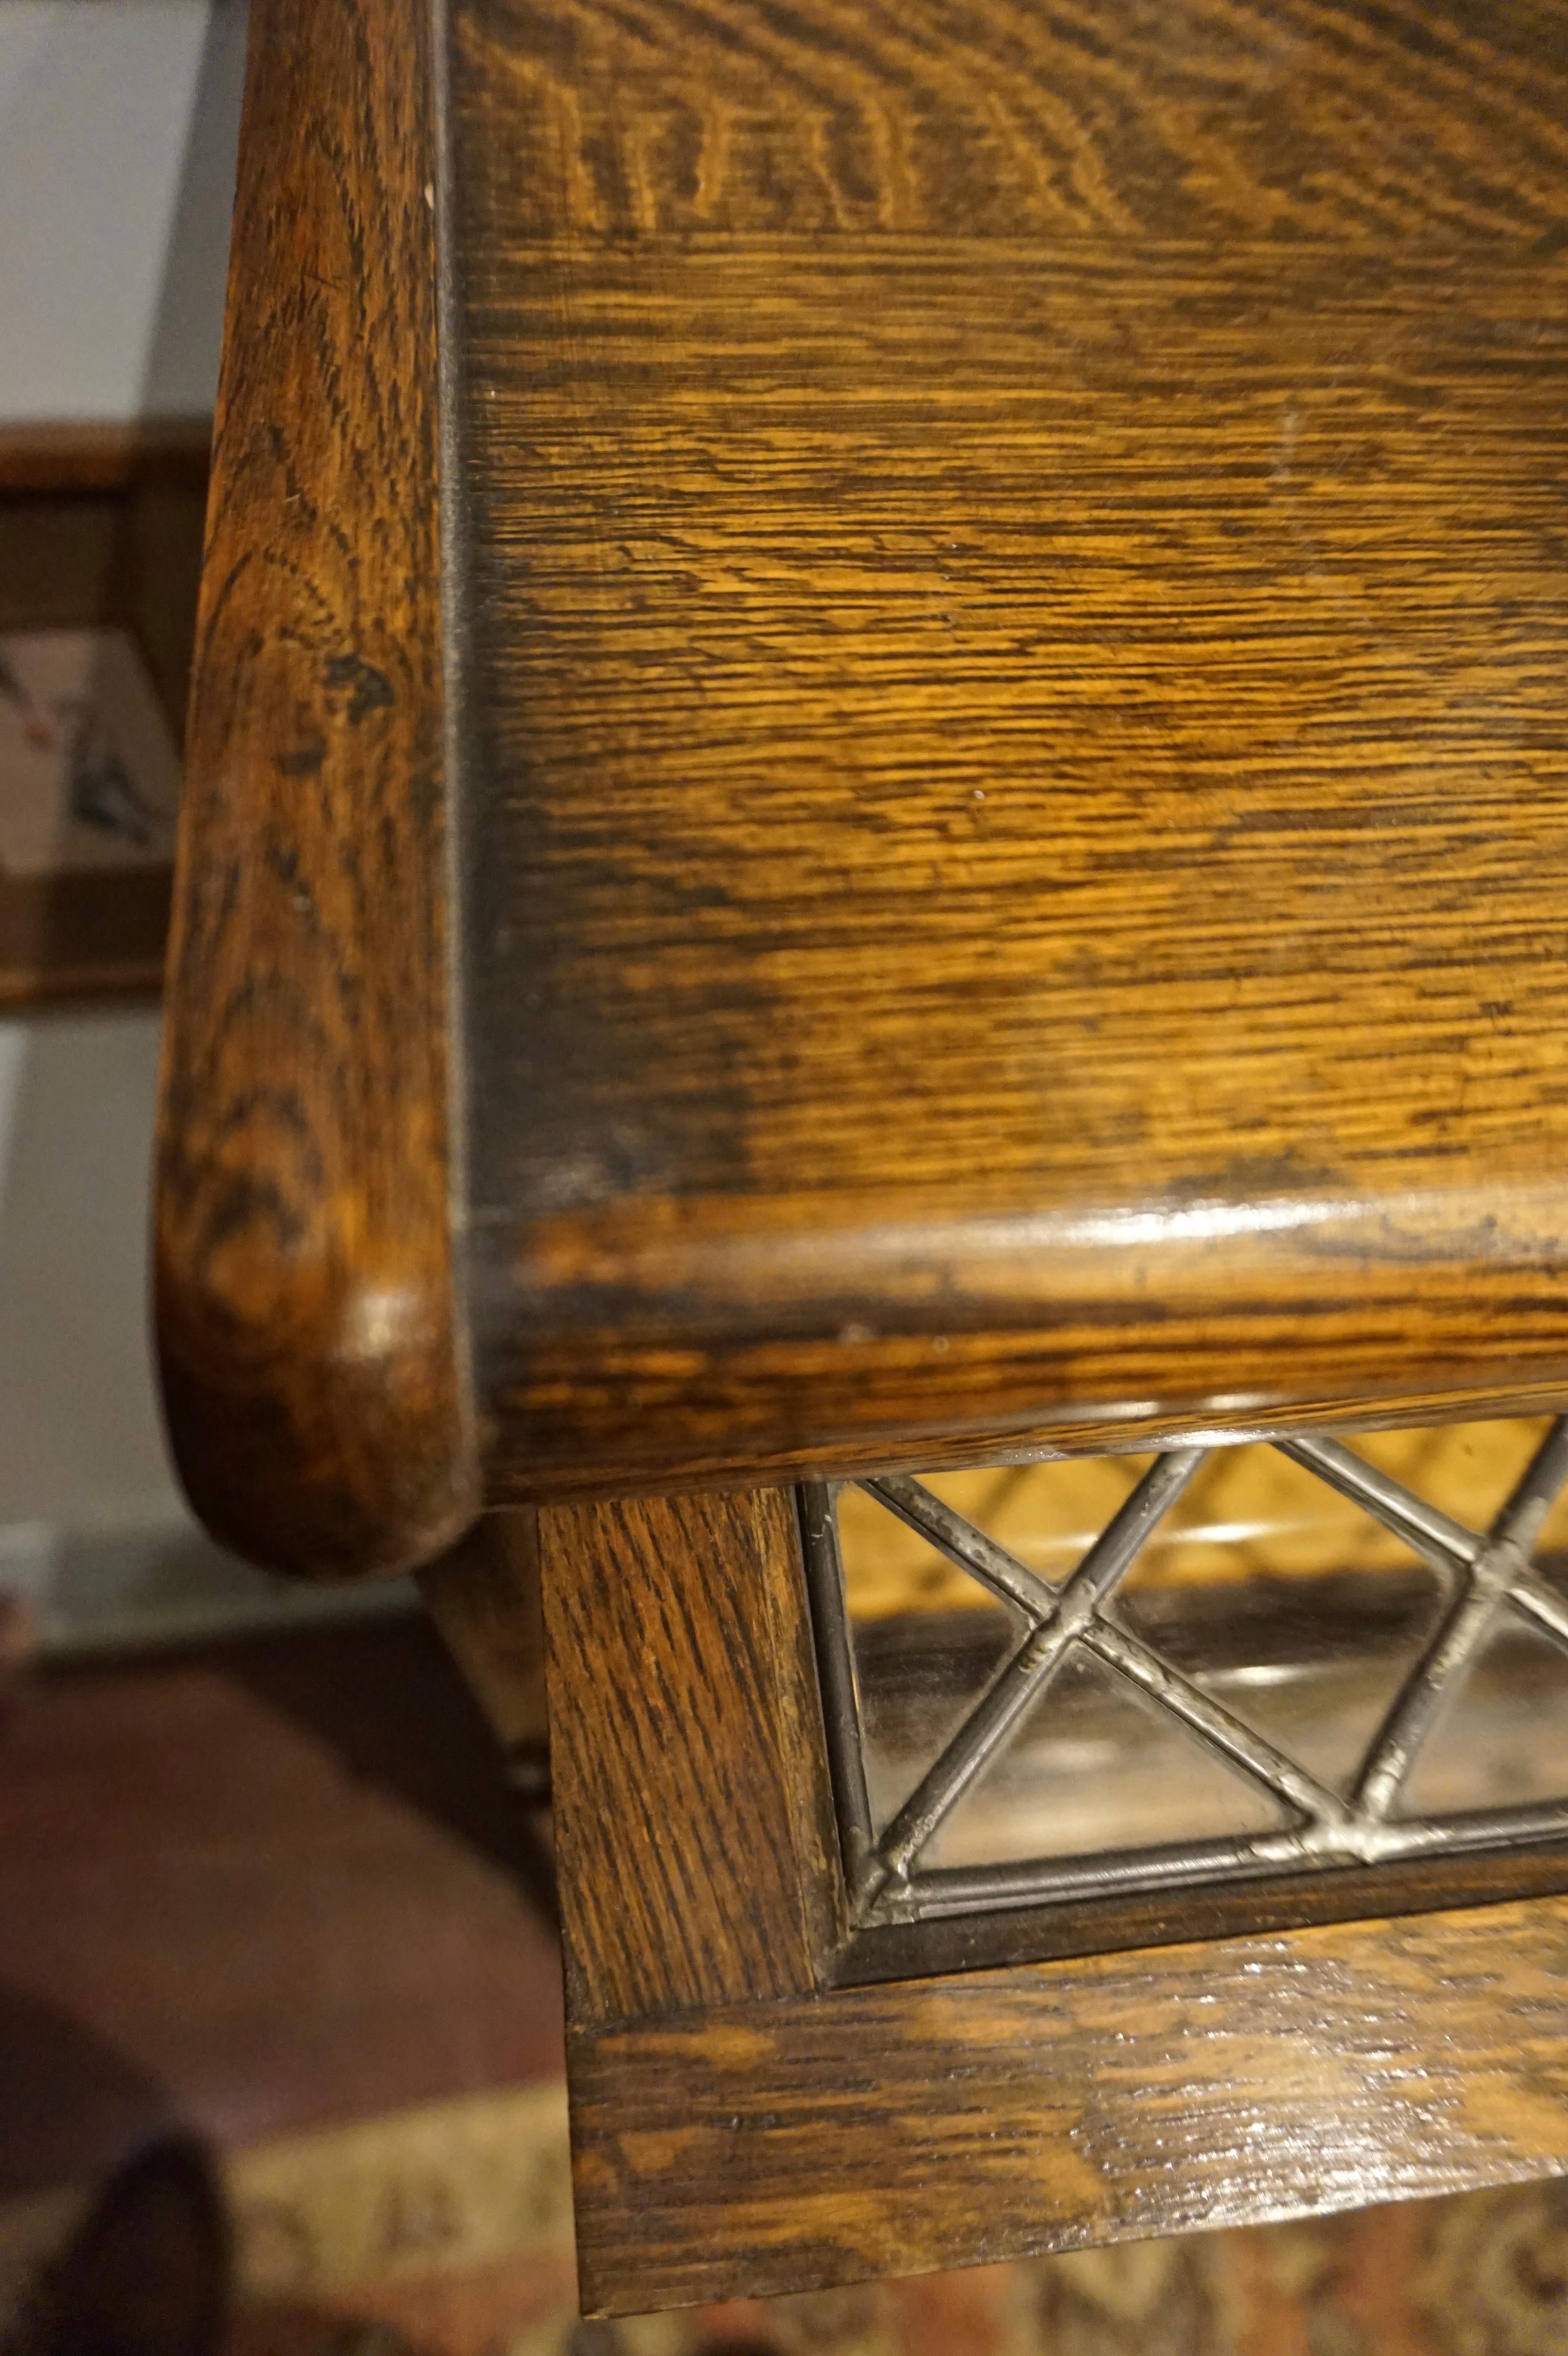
[{"x": 1484, "y": 1578}]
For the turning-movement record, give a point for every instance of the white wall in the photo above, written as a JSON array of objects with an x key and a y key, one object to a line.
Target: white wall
[
  {"x": 79, "y": 1432},
  {"x": 118, "y": 123}
]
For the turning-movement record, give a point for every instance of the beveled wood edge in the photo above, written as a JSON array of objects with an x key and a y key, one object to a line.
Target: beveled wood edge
[
  {"x": 660, "y": 1344},
  {"x": 769, "y": 1338},
  {"x": 313, "y": 1365},
  {"x": 763, "y": 2149},
  {"x": 68, "y": 939},
  {"x": 135, "y": 984},
  {"x": 514, "y": 1478}
]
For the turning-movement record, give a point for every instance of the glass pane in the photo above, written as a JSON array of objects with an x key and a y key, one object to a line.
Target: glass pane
[
  {"x": 1502, "y": 1742},
  {"x": 1095, "y": 1765},
  {"x": 1468, "y": 1469},
  {"x": 1262, "y": 1589},
  {"x": 1251, "y": 1512},
  {"x": 1047, "y": 1515},
  {"x": 920, "y": 1676},
  {"x": 1313, "y": 1665}
]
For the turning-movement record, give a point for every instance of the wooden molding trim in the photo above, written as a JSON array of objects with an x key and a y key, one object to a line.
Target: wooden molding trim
[
  {"x": 100, "y": 528},
  {"x": 514, "y": 1476},
  {"x": 312, "y": 1370},
  {"x": 993, "y": 2115}
]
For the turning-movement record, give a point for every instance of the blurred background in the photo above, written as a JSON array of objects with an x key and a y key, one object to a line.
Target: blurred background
[{"x": 118, "y": 131}]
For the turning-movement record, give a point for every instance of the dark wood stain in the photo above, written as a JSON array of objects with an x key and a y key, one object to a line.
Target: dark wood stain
[
  {"x": 975, "y": 2118},
  {"x": 802, "y": 2129},
  {"x": 1016, "y": 577},
  {"x": 1020, "y": 576},
  {"x": 1099, "y": 1926},
  {"x": 687, "y": 1767},
  {"x": 486, "y": 1598},
  {"x": 312, "y": 1366}
]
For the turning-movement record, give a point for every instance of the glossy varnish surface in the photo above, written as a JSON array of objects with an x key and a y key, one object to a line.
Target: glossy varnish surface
[
  {"x": 976, "y": 2117},
  {"x": 312, "y": 1365},
  {"x": 744, "y": 2121},
  {"x": 1013, "y": 725}
]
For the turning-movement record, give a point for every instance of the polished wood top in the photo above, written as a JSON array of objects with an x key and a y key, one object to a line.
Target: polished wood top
[
  {"x": 1016, "y": 733},
  {"x": 1007, "y": 601}
]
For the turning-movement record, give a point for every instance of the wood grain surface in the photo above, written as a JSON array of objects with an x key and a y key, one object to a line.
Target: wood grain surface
[
  {"x": 484, "y": 1597},
  {"x": 1010, "y": 726},
  {"x": 1013, "y": 722},
  {"x": 1335, "y": 119},
  {"x": 964, "y": 2120},
  {"x": 692, "y": 1817},
  {"x": 312, "y": 1369},
  {"x": 808, "y": 2127}
]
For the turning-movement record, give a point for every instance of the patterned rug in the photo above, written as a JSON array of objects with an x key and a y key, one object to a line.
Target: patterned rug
[
  {"x": 446, "y": 2232},
  {"x": 1484, "y": 2274}
]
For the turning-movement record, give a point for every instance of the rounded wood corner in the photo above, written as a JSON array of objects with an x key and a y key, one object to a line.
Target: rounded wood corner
[
  {"x": 316, "y": 1413},
  {"x": 313, "y": 1354}
]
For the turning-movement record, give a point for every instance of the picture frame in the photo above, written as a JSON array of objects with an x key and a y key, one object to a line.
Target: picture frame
[{"x": 101, "y": 532}]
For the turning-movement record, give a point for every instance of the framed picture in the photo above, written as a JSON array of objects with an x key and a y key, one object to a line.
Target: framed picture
[{"x": 99, "y": 555}]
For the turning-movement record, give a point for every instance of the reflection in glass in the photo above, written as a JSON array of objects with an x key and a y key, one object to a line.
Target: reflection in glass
[
  {"x": 1301, "y": 1655},
  {"x": 1096, "y": 1765},
  {"x": 1502, "y": 1741}
]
